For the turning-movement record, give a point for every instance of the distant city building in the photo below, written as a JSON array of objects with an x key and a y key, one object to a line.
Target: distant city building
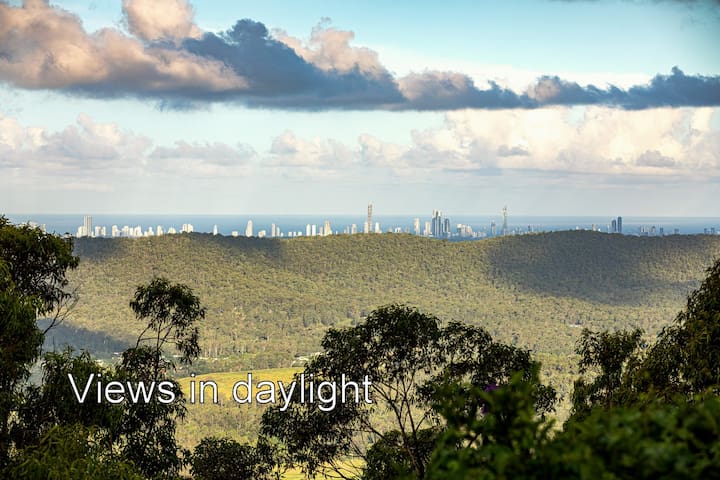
[
  {"x": 215, "y": 230},
  {"x": 172, "y": 231},
  {"x": 505, "y": 225},
  {"x": 262, "y": 233},
  {"x": 313, "y": 230},
  {"x": 493, "y": 228},
  {"x": 428, "y": 229},
  {"x": 613, "y": 228},
  {"x": 235, "y": 233},
  {"x": 377, "y": 227},
  {"x": 353, "y": 229},
  {"x": 439, "y": 226},
  {"x": 307, "y": 230},
  {"x": 249, "y": 229},
  {"x": 619, "y": 225},
  {"x": 369, "y": 221},
  {"x": 416, "y": 226},
  {"x": 87, "y": 226},
  {"x": 328, "y": 229}
]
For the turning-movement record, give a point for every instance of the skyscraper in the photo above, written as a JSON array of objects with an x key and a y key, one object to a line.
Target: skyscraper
[
  {"x": 369, "y": 218},
  {"x": 504, "y": 214},
  {"x": 87, "y": 226},
  {"x": 436, "y": 225},
  {"x": 416, "y": 226},
  {"x": 619, "y": 224},
  {"x": 328, "y": 228},
  {"x": 249, "y": 229},
  {"x": 613, "y": 227}
]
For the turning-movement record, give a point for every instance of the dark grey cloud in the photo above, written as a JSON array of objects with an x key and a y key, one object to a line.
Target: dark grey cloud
[{"x": 43, "y": 47}]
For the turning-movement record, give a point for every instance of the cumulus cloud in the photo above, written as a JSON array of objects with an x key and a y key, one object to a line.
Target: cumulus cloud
[
  {"x": 653, "y": 158},
  {"x": 318, "y": 156},
  {"x": 160, "y": 19},
  {"x": 89, "y": 148},
  {"x": 603, "y": 142},
  {"x": 329, "y": 49},
  {"x": 44, "y": 47},
  {"x": 85, "y": 146},
  {"x": 167, "y": 58},
  {"x": 215, "y": 153}
]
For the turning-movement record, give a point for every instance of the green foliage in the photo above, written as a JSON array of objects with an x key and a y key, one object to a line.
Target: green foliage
[
  {"x": 225, "y": 459},
  {"x": 54, "y": 402},
  {"x": 70, "y": 452},
  {"x": 171, "y": 312},
  {"x": 388, "y": 458},
  {"x": 491, "y": 433},
  {"x": 610, "y": 356},
  {"x": 507, "y": 441},
  {"x": 661, "y": 440},
  {"x": 33, "y": 266},
  {"x": 686, "y": 358},
  {"x": 20, "y": 342},
  {"x": 409, "y": 358},
  {"x": 38, "y": 263}
]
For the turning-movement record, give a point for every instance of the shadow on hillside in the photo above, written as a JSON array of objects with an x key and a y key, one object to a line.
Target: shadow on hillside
[
  {"x": 64, "y": 334},
  {"x": 609, "y": 269}
]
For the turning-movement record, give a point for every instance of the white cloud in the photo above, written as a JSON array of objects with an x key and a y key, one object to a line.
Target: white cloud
[
  {"x": 600, "y": 142},
  {"x": 161, "y": 19},
  {"x": 329, "y": 49}
]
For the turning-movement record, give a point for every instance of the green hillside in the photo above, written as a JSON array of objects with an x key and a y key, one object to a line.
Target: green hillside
[{"x": 271, "y": 300}]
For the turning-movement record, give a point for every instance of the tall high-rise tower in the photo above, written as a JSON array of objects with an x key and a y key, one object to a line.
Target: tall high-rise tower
[
  {"x": 619, "y": 224},
  {"x": 504, "y": 227},
  {"x": 249, "y": 229},
  {"x": 87, "y": 226},
  {"x": 369, "y": 219}
]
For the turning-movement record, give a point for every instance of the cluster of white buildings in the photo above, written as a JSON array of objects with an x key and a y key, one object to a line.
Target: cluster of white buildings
[{"x": 88, "y": 230}]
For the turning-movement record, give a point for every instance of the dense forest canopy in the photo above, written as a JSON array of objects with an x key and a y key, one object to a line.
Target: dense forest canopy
[{"x": 270, "y": 300}]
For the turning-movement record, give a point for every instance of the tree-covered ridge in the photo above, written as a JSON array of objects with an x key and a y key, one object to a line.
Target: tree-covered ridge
[{"x": 269, "y": 300}]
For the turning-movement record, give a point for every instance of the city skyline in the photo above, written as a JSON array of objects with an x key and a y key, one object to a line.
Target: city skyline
[
  {"x": 169, "y": 106},
  {"x": 437, "y": 226}
]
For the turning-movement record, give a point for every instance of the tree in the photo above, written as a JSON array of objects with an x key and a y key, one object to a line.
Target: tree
[
  {"x": 491, "y": 433},
  {"x": 171, "y": 312},
  {"x": 497, "y": 435},
  {"x": 686, "y": 358},
  {"x": 71, "y": 452},
  {"x": 406, "y": 354},
  {"x": 225, "y": 459},
  {"x": 38, "y": 264},
  {"x": 55, "y": 403},
  {"x": 20, "y": 342},
  {"x": 33, "y": 267},
  {"x": 610, "y": 356}
]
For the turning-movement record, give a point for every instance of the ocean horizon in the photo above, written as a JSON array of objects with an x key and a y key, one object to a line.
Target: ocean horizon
[{"x": 226, "y": 224}]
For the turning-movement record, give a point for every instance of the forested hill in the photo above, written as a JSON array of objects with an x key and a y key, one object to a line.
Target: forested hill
[{"x": 269, "y": 300}]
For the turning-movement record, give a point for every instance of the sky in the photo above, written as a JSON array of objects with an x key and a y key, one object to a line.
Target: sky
[{"x": 318, "y": 107}]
